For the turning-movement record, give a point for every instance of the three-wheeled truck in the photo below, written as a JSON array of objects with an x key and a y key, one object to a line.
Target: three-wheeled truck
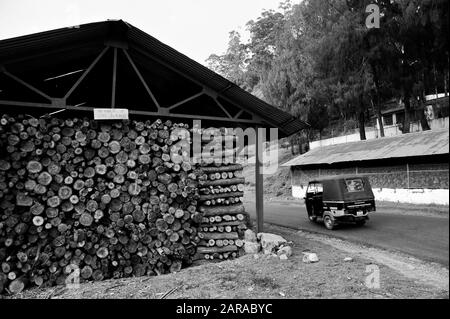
[{"x": 338, "y": 200}]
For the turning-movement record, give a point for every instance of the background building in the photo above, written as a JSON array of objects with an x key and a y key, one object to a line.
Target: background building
[
  {"x": 411, "y": 168},
  {"x": 436, "y": 111}
]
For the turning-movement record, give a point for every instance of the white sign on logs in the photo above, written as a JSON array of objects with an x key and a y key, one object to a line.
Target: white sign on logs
[{"x": 110, "y": 114}]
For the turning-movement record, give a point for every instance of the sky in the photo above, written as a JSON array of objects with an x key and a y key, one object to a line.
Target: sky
[{"x": 196, "y": 28}]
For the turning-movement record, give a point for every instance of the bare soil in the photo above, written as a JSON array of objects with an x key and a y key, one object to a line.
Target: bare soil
[{"x": 262, "y": 276}]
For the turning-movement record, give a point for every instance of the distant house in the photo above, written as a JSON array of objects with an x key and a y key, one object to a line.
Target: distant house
[
  {"x": 393, "y": 115},
  {"x": 410, "y": 168}
]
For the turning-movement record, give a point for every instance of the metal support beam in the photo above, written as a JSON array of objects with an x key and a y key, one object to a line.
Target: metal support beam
[
  {"x": 171, "y": 67},
  {"x": 131, "y": 111},
  {"x": 81, "y": 78},
  {"x": 28, "y": 104},
  {"x": 259, "y": 183},
  {"x": 239, "y": 114},
  {"x": 185, "y": 100},
  {"x": 114, "y": 80},
  {"x": 223, "y": 109},
  {"x": 32, "y": 88},
  {"x": 141, "y": 78}
]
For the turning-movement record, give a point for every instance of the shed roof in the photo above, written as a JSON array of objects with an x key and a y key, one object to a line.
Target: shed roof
[
  {"x": 18, "y": 54},
  {"x": 336, "y": 177},
  {"x": 426, "y": 143}
]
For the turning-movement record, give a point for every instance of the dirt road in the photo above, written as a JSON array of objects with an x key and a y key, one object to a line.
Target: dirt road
[{"x": 424, "y": 237}]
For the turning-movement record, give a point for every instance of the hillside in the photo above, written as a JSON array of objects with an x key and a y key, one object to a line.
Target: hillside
[{"x": 276, "y": 185}]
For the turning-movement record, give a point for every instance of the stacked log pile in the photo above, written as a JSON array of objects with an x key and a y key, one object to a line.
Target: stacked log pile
[
  {"x": 105, "y": 198},
  {"x": 221, "y": 188}
]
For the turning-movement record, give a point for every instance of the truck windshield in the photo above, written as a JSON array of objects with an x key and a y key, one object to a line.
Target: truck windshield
[{"x": 354, "y": 185}]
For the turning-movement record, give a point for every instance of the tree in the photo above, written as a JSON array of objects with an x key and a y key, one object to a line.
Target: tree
[
  {"x": 318, "y": 117},
  {"x": 319, "y": 55},
  {"x": 232, "y": 64}
]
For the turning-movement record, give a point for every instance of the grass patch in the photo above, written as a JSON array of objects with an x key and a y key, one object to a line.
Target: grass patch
[{"x": 265, "y": 282}]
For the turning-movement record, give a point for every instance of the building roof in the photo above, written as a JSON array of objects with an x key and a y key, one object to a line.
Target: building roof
[
  {"x": 426, "y": 143},
  {"x": 74, "y": 42},
  {"x": 335, "y": 177}
]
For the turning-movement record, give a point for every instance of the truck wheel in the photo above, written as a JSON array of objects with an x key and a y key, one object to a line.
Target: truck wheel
[{"x": 329, "y": 222}]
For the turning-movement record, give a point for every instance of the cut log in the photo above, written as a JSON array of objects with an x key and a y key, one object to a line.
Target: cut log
[
  {"x": 86, "y": 219},
  {"x": 18, "y": 285},
  {"x": 102, "y": 252},
  {"x": 23, "y": 200},
  {"x": 231, "y": 235},
  {"x": 211, "y": 250},
  {"x": 223, "y": 195},
  {"x": 223, "y": 182},
  {"x": 60, "y": 179},
  {"x": 34, "y": 167},
  {"x": 222, "y": 210},
  {"x": 226, "y": 168},
  {"x": 44, "y": 178}
]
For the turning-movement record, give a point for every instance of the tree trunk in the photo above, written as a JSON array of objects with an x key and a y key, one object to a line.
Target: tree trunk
[
  {"x": 407, "y": 121},
  {"x": 291, "y": 142},
  {"x": 300, "y": 144},
  {"x": 423, "y": 120},
  {"x": 362, "y": 130},
  {"x": 380, "y": 120},
  {"x": 446, "y": 76},
  {"x": 435, "y": 81},
  {"x": 377, "y": 101},
  {"x": 446, "y": 84}
]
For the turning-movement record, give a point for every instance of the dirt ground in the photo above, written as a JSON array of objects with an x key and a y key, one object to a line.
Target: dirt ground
[{"x": 261, "y": 276}]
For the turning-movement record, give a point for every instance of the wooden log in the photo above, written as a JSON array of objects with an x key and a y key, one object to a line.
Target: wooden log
[
  {"x": 220, "y": 195},
  {"x": 211, "y": 242},
  {"x": 102, "y": 252},
  {"x": 223, "y": 182},
  {"x": 18, "y": 285},
  {"x": 222, "y": 210},
  {"x": 210, "y": 250},
  {"x": 64, "y": 192},
  {"x": 34, "y": 167},
  {"x": 227, "y": 168},
  {"x": 24, "y": 200},
  {"x": 86, "y": 219},
  {"x": 44, "y": 178},
  {"x": 81, "y": 170},
  {"x": 215, "y": 236},
  {"x": 38, "y": 220}
]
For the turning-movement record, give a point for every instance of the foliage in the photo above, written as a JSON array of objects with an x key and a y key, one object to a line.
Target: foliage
[{"x": 318, "y": 60}]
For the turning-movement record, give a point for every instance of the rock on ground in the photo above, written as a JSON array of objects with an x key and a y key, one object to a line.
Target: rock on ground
[
  {"x": 310, "y": 258},
  {"x": 249, "y": 235},
  {"x": 270, "y": 241},
  {"x": 251, "y": 247},
  {"x": 285, "y": 250}
]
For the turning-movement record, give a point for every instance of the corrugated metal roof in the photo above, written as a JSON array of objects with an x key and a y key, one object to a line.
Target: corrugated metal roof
[
  {"x": 406, "y": 145},
  {"x": 21, "y": 47}
]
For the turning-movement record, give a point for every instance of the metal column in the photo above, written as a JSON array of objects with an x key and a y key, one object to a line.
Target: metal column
[{"x": 259, "y": 184}]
